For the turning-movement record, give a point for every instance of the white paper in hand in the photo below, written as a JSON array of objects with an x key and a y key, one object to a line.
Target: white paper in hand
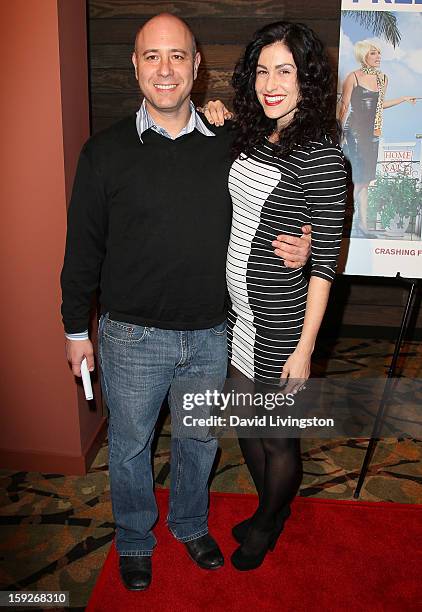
[{"x": 86, "y": 380}]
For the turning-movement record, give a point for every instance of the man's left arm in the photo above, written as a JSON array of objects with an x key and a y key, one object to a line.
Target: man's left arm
[
  {"x": 84, "y": 252},
  {"x": 294, "y": 251}
]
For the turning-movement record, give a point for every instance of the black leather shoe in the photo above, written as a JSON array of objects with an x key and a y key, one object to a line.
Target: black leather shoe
[
  {"x": 205, "y": 552},
  {"x": 136, "y": 572},
  {"x": 240, "y": 530}
]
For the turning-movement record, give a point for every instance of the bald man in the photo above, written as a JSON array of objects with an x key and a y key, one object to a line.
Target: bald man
[{"x": 149, "y": 224}]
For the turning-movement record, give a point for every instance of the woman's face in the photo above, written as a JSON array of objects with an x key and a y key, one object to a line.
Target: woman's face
[
  {"x": 373, "y": 58},
  {"x": 276, "y": 84}
]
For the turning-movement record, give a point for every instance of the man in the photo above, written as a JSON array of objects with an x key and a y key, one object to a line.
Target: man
[{"x": 149, "y": 223}]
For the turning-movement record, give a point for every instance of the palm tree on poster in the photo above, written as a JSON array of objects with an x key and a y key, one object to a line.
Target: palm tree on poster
[{"x": 382, "y": 24}]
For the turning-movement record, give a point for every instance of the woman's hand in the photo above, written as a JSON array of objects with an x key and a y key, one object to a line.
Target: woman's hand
[
  {"x": 396, "y": 101},
  {"x": 215, "y": 112},
  {"x": 410, "y": 99},
  {"x": 297, "y": 370}
]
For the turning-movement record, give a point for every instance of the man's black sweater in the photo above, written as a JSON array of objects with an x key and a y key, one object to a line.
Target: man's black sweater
[{"x": 149, "y": 223}]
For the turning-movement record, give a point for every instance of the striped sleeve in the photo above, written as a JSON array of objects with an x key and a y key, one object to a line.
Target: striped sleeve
[{"x": 323, "y": 180}]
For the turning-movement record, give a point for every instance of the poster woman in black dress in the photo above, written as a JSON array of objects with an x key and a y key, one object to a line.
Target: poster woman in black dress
[{"x": 364, "y": 92}]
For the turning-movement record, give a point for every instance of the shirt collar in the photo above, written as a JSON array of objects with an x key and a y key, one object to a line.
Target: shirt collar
[{"x": 145, "y": 122}]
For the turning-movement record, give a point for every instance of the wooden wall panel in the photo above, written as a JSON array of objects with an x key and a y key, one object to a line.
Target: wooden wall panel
[
  {"x": 369, "y": 302},
  {"x": 271, "y": 10},
  {"x": 222, "y": 28},
  {"x": 207, "y": 31}
]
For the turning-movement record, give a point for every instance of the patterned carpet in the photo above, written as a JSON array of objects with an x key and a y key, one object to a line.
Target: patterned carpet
[{"x": 56, "y": 530}]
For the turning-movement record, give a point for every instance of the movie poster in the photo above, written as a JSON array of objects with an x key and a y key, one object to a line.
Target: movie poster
[{"x": 380, "y": 108}]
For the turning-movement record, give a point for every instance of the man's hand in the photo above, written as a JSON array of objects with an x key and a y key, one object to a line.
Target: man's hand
[
  {"x": 76, "y": 350},
  {"x": 294, "y": 251},
  {"x": 216, "y": 112}
]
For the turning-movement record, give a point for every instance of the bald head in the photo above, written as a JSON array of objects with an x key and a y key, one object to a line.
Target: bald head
[
  {"x": 163, "y": 24},
  {"x": 165, "y": 67}
]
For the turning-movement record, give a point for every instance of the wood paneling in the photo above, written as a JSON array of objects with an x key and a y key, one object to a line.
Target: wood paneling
[
  {"x": 368, "y": 302},
  {"x": 271, "y": 10},
  {"x": 113, "y": 58},
  {"x": 214, "y": 57},
  {"x": 221, "y": 27},
  {"x": 207, "y": 31},
  {"x": 123, "y": 80}
]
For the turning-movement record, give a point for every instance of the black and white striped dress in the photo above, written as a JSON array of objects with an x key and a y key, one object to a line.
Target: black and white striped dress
[{"x": 273, "y": 196}]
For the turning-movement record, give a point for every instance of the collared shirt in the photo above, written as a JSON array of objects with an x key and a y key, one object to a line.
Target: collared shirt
[{"x": 144, "y": 122}]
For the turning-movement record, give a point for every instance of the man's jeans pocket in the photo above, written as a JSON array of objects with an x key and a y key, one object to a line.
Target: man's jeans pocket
[
  {"x": 220, "y": 330},
  {"x": 124, "y": 333}
]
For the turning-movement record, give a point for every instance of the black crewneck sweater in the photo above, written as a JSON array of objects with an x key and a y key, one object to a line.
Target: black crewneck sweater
[{"x": 149, "y": 223}]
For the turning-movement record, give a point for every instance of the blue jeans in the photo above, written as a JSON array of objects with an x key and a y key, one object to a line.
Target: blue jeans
[{"x": 139, "y": 365}]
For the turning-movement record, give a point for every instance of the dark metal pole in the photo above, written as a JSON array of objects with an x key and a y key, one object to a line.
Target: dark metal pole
[{"x": 387, "y": 389}]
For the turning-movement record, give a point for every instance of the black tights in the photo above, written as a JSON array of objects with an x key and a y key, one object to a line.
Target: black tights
[{"x": 275, "y": 465}]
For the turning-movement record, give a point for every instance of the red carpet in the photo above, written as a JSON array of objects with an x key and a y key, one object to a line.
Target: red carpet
[{"x": 332, "y": 555}]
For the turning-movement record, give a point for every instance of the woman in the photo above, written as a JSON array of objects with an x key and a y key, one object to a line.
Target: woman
[
  {"x": 364, "y": 91},
  {"x": 288, "y": 171}
]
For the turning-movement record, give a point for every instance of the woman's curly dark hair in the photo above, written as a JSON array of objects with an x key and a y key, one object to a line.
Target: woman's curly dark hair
[{"x": 314, "y": 118}]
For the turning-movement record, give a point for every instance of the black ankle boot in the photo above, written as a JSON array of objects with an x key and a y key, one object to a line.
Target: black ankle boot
[
  {"x": 240, "y": 530},
  {"x": 255, "y": 546}
]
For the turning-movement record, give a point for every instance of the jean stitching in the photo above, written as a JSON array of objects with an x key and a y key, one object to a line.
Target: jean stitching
[
  {"x": 128, "y": 328},
  {"x": 104, "y": 378},
  {"x": 110, "y": 442},
  {"x": 179, "y": 450},
  {"x": 179, "y": 466},
  {"x": 101, "y": 352},
  {"x": 136, "y": 553},
  {"x": 222, "y": 332},
  {"x": 181, "y": 351},
  {"x": 190, "y": 538},
  {"x": 127, "y": 341}
]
